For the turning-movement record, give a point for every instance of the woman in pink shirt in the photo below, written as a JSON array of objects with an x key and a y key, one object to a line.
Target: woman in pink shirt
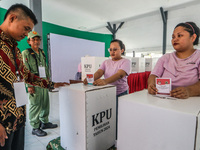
[
  {"x": 182, "y": 66},
  {"x": 115, "y": 70}
]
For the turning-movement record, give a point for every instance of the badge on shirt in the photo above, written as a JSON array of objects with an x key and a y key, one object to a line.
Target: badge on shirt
[{"x": 42, "y": 72}]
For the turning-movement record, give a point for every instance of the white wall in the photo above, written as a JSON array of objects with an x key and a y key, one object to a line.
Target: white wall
[{"x": 7, "y": 3}]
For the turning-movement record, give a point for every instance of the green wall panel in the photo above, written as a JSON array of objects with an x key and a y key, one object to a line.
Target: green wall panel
[{"x": 2, "y": 14}]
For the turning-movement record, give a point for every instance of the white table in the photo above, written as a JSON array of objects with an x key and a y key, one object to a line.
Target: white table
[{"x": 147, "y": 122}]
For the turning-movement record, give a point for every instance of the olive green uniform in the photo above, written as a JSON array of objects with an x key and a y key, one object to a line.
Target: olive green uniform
[{"x": 39, "y": 101}]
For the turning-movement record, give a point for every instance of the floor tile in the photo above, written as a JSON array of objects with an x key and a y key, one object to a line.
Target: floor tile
[{"x": 33, "y": 142}]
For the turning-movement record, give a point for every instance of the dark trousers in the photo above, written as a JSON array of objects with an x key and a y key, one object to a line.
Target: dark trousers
[
  {"x": 121, "y": 94},
  {"x": 15, "y": 140}
]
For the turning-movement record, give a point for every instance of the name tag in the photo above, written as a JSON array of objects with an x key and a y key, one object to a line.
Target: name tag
[
  {"x": 42, "y": 72},
  {"x": 21, "y": 96}
]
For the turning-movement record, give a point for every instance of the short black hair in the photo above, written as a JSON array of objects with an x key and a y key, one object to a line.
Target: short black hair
[
  {"x": 121, "y": 44},
  {"x": 192, "y": 28},
  {"x": 25, "y": 11}
]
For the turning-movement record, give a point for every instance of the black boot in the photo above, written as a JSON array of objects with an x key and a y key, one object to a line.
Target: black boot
[
  {"x": 48, "y": 125},
  {"x": 39, "y": 132}
]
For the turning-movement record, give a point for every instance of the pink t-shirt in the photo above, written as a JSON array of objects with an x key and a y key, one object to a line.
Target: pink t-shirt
[
  {"x": 183, "y": 72},
  {"x": 111, "y": 67}
]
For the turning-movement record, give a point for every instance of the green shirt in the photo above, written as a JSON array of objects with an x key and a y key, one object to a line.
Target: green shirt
[{"x": 33, "y": 63}]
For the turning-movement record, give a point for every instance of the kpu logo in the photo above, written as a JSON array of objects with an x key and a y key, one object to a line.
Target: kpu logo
[
  {"x": 100, "y": 117},
  {"x": 87, "y": 66}
]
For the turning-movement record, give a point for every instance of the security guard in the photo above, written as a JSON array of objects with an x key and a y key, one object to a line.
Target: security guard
[{"x": 35, "y": 61}]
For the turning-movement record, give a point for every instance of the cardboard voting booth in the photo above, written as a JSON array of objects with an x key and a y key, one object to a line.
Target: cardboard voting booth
[
  {"x": 138, "y": 64},
  {"x": 91, "y": 64},
  {"x": 87, "y": 117},
  {"x": 147, "y": 122},
  {"x": 150, "y": 63}
]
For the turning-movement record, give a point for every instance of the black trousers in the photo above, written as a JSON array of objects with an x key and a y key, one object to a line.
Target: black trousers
[{"x": 15, "y": 140}]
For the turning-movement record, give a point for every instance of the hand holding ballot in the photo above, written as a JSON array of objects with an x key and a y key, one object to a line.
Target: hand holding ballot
[
  {"x": 89, "y": 79},
  {"x": 163, "y": 86},
  {"x": 152, "y": 89},
  {"x": 152, "y": 85},
  {"x": 99, "y": 82},
  {"x": 180, "y": 92}
]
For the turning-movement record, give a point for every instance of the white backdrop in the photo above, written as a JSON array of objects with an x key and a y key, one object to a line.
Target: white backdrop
[{"x": 65, "y": 54}]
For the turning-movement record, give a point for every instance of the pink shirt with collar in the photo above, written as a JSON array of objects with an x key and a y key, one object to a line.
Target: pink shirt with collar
[
  {"x": 183, "y": 72},
  {"x": 111, "y": 67}
]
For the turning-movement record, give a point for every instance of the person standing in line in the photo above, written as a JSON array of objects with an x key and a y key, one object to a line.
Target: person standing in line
[
  {"x": 19, "y": 20},
  {"x": 35, "y": 60}
]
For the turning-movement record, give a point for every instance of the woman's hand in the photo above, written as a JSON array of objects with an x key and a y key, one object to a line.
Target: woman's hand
[
  {"x": 152, "y": 89},
  {"x": 99, "y": 82},
  {"x": 180, "y": 92},
  {"x": 152, "y": 85}
]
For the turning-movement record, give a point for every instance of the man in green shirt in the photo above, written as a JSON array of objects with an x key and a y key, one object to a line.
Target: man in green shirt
[{"x": 35, "y": 61}]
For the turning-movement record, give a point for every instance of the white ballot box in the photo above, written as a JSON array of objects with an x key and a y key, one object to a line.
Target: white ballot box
[
  {"x": 150, "y": 63},
  {"x": 138, "y": 64},
  {"x": 146, "y": 122},
  {"x": 91, "y": 64},
  {"x": 87, "y": 117}
]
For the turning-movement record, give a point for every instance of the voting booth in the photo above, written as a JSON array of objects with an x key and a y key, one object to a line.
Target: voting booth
[
  {"x": 91, "y": 64},
  {"x": 87, "y": 117},
  {"x": 146, "y": 122},
  {"x": 150, "y": 63},
  {"x": 137, "y": 64}
]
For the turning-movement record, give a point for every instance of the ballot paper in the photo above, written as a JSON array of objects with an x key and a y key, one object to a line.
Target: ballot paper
[
  {"x": 90, "y": 78},
  {"x": 163, "y": 86}
]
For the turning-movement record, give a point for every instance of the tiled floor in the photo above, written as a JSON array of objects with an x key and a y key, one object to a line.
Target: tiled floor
[{"x": 33, "y": 142}]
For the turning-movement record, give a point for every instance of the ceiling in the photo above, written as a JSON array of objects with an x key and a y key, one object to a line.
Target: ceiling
[
  {"x": 143, "y": 27},
  {"x": 92, "y": 14}
]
